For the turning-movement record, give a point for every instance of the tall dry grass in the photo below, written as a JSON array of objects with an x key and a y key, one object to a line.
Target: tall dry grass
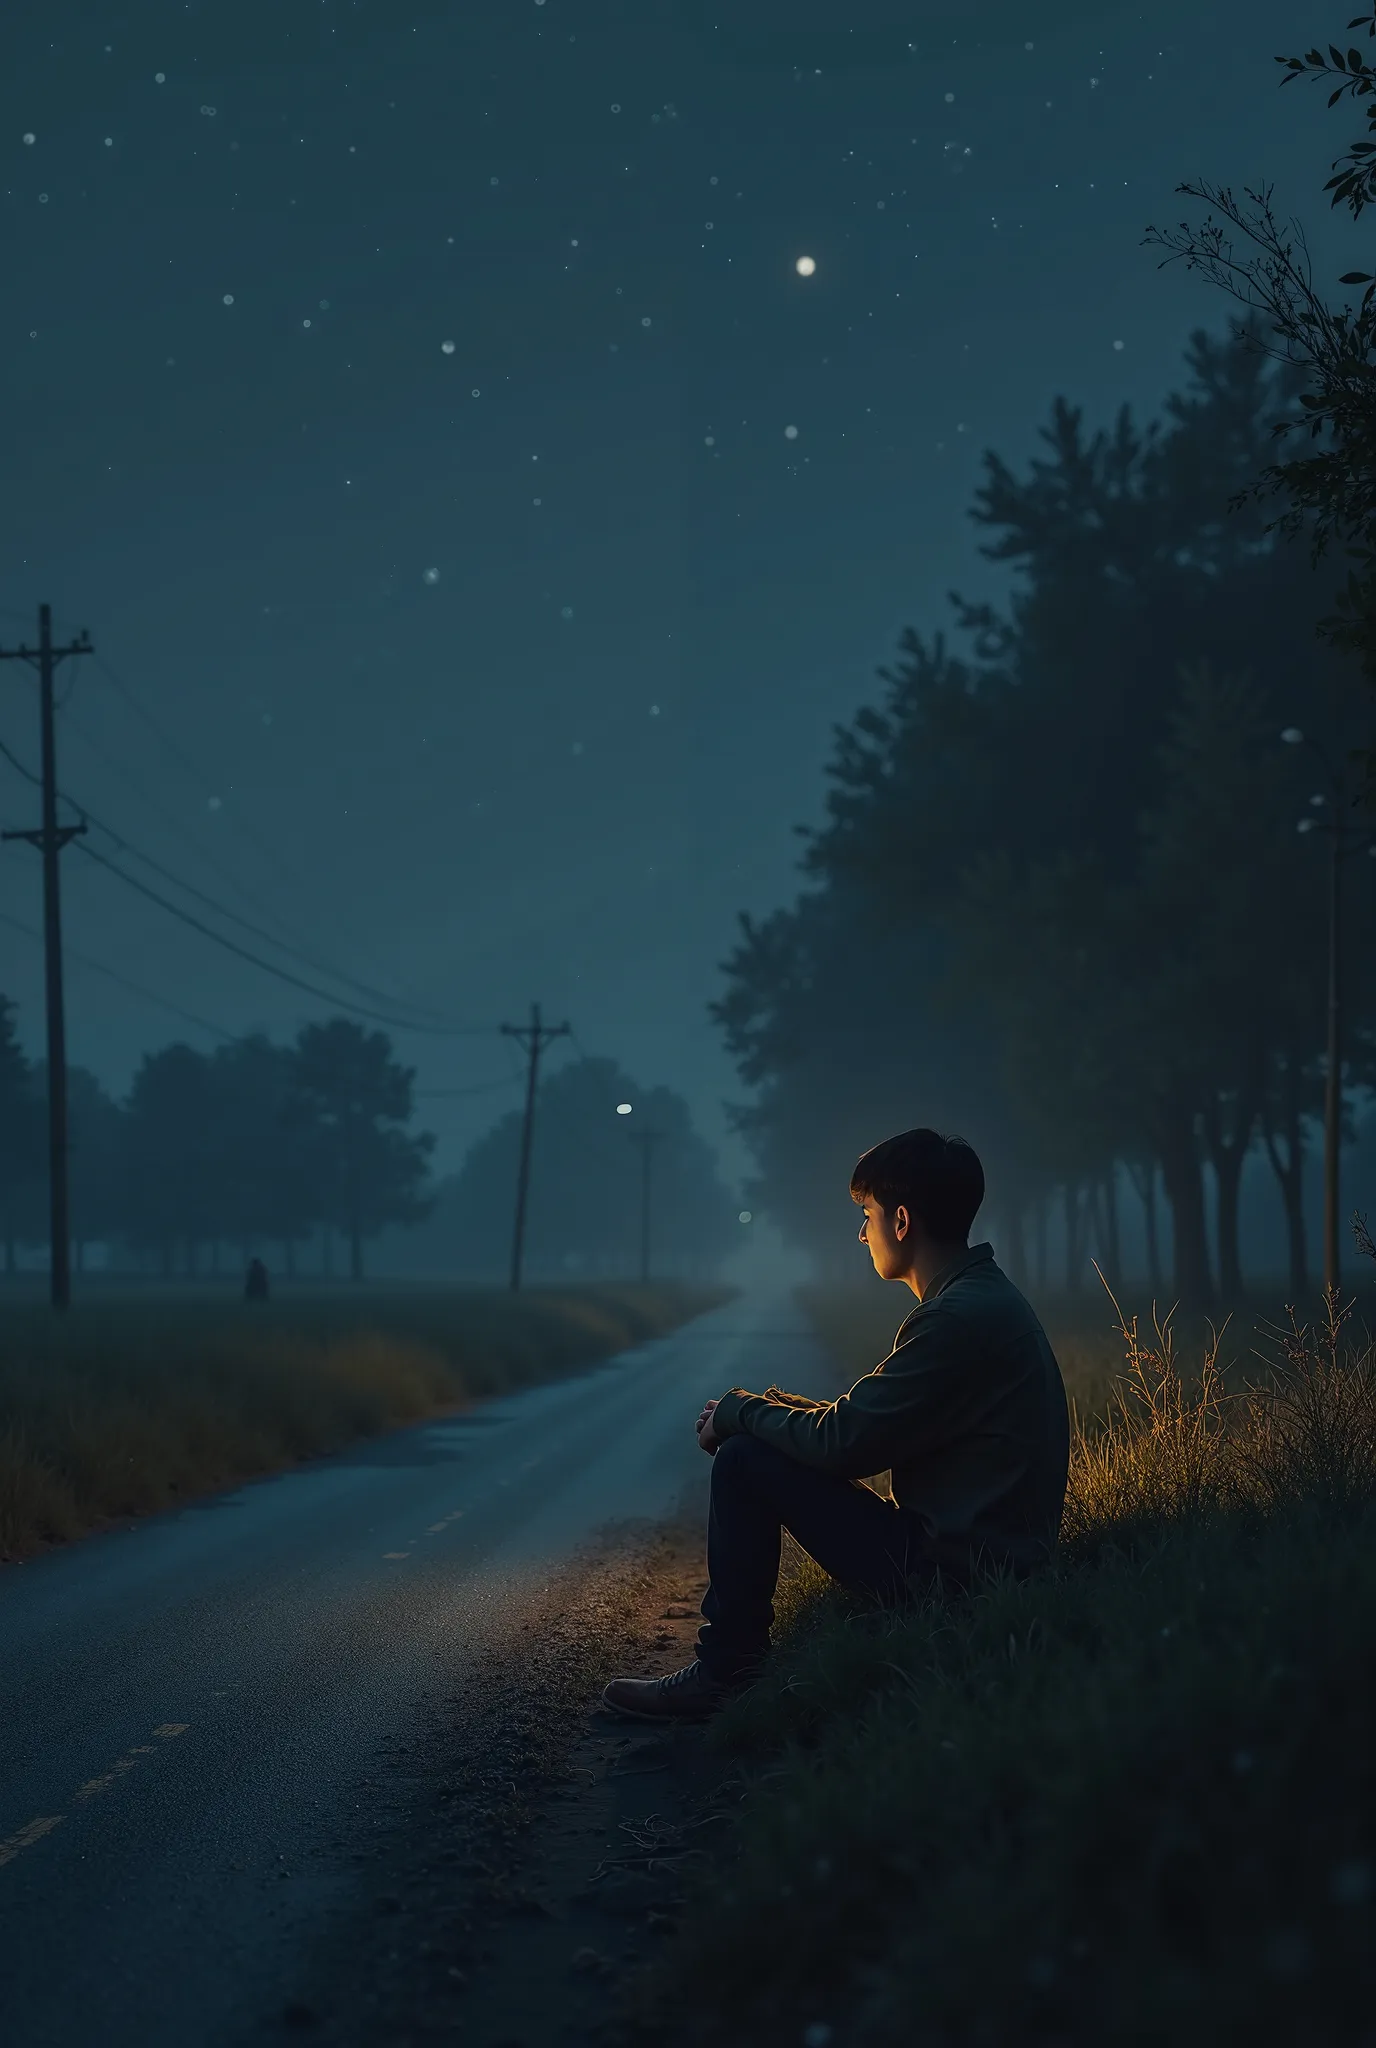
[
  {"x": 1176, "y": 1445},
  {"x": 135, "y": 1402}
]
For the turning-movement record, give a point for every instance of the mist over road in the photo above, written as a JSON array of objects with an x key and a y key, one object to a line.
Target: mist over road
[{"x": 197, "y": 1711}]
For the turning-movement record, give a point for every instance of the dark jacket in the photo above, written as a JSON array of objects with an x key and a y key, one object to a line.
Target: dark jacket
[{"x": 967, "y": 1413}]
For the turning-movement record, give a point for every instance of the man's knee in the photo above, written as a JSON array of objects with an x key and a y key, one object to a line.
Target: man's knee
[{"x": 743, "y": 1458}]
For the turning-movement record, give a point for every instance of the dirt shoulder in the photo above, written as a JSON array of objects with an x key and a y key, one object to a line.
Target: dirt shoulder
[{"x": 536, "y": 1861}]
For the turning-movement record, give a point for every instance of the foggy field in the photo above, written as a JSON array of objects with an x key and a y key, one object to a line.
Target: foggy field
[
  {"x": 1124, "y": 1802},
  {"x": 138, "y": 1400}
]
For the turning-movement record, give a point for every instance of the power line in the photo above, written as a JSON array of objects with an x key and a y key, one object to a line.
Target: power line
[
  {"x": 480, "y": 1088},
  {"x": 270, "y": 967},
  {"x": 176, "y": 824},
  {"x": 234, "y": 917},
  {"x": 112, "y": 974},
  {"x": 268, "y": 853}
]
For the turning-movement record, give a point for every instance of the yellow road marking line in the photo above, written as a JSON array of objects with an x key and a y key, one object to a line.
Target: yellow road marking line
[
  {"x": 13, "y": 1845},
  {"x": 26, "y": 1837},
  {"x": 396, "y": 1553}
]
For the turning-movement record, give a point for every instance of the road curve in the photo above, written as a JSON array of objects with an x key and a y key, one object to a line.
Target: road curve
[{"x": 195, "y": 1713}]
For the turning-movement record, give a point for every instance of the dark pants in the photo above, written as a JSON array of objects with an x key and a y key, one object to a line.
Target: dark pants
[{"x": 860, "y": 1539}]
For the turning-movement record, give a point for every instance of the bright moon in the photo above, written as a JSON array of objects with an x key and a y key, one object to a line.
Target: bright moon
[{"x": 805, "y": 266}]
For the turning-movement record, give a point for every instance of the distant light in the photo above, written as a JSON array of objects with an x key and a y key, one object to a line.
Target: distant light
[
  {"x": 806, "y": 266},
  {"x": 1292, "y": 735},
  {"x": 159, "y": 78},
  {"x": 1305, "y": 825},
  {"x": 229, "y": 298},
  {"x": 745, "y": 1216},
  {"x": 446, "y": 348},
  {"x": 790, "y": 433},
  {"x": 1318, "y": 801},
  {"x": 215, "y": 804},
  {"x": 432, "y": 576},
  {"x": 30, "y": 139},
  {"x": 1117, "y": 344},
  {"x": 623, "y": 1108}
]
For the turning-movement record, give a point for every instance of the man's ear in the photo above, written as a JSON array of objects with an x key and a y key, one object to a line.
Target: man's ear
[{"x": 902, "y": 1223}]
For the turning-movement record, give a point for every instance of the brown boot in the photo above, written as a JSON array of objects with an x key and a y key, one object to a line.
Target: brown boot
[{"x": 686, "y": 1695}]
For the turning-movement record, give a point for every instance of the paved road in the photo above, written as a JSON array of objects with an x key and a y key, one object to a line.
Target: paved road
[{"x": 194, "y": 1714}]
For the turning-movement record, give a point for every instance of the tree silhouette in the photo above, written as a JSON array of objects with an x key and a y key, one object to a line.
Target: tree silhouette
[
  {"x": 170, "y": 1167},
  {"x": 22, "y": 1158},
  {"x": 1045, "y": 904},
  {"x": 584, "y": 1217},
  {"x": 351, "y": 1101}
]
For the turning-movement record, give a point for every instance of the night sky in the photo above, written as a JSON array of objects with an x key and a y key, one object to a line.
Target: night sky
[{"x": 480, "y": 520}]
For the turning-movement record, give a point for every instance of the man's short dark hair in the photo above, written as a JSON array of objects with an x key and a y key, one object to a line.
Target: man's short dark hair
[{"x": 938, "y": 1180}]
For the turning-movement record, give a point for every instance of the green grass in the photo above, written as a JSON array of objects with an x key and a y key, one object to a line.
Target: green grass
[
  {"x": 1131, "y": 1802},
  {"x": 135, "y": 1401}
]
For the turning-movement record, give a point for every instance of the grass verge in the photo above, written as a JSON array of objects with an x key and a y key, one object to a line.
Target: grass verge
[
  {"x": 1132, "y": 1801},
  {"x": 133, "y": 1403}
]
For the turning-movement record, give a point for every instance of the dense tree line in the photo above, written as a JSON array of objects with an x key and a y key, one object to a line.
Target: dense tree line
[
  {"x": 586, "y": 1189},
  {"x": 253, "y": 1144},
  {"x": 1059, "y": 901}
]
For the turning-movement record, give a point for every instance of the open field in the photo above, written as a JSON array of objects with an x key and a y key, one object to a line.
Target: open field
[
  {"x": 136, "y": 1401},
  {"x": 1132, "y": 1801}
]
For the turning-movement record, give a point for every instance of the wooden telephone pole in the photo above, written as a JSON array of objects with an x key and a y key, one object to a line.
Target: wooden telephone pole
[
  {"x": 50, "y": 838},
  {"x": 647, "y": 1141},
  {"x": 534, "y": 1036}
]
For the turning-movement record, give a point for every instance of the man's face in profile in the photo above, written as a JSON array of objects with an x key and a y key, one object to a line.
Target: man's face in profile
[{"x": 885, "y": 1237}]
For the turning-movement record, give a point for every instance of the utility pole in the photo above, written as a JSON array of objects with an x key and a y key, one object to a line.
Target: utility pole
[
  {"x": 647, "y": 1141},
  {"x": 50, "y": 838},
  {"x": 534, "y": 1036}
]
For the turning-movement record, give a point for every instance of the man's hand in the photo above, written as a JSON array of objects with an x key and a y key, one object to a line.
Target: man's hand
[{"x": 707, "y": 1440}]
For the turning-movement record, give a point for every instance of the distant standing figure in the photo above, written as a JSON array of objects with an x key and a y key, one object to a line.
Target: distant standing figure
[{"x": 256, "y": 1281}]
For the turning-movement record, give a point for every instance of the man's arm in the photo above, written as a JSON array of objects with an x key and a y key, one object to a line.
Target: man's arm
[{"x": 884, "y": 1415}]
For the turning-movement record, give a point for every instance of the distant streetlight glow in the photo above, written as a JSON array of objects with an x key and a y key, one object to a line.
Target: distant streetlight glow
[
  {"x": 806, "y": 266},
  {"x": 623, "y": 1108},
  {"x": 1292, "y": 736},
  {"x": 745, "y": 1216}
]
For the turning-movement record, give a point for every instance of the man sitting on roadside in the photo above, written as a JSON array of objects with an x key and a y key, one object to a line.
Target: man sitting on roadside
[{"x": 967, "y": 1414}]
